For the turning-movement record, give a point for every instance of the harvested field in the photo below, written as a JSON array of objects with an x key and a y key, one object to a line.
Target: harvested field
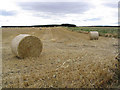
[{"x": 68, "y": 59}]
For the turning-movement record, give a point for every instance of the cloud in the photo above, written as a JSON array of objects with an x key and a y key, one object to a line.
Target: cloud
[
  {"x": 56, "y": 7},
  {"x": 7, "y": 13},
  {"x": 112, "y": 5},
  {"x": 93, "y": 19},
  {"x": 40, "y": 12}
]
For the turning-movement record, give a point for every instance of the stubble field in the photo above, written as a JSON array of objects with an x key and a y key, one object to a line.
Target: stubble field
[{"x": 68, "y": 59}]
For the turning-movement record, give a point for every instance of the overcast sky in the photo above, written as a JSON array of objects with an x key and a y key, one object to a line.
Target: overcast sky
[{"x": 79, "y": 12}]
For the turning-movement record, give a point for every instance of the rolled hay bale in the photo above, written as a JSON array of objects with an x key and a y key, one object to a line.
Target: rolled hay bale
[
  {"x": 94, "y": 35},
  {"x": 25, "y": 45}
]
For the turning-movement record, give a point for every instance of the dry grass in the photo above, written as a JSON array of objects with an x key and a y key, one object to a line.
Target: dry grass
[{"x": 86, "y": 74}]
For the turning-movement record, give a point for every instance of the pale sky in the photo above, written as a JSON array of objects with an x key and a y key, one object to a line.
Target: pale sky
[{"x": 41, "y": 12}]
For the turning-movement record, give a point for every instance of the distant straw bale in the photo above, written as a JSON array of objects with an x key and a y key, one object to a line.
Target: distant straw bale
[
  {"x": 108, "y": 35},
  {"x": 94, "y": 35},
  {"x": 85, "y": 32}
]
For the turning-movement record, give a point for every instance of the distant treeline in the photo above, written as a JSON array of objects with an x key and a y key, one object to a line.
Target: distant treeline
[
  {"x": 52, "y": 25},
  {"x": 56, "y": 25}
]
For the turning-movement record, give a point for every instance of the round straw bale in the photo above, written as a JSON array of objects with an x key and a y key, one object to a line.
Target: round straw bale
[
  {"x": 94, "y": 35},
  {"x": 25, "y": 45}
]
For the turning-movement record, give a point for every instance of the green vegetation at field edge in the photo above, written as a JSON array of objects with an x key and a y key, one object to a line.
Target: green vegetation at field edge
[{"x": 102, "y": 30}]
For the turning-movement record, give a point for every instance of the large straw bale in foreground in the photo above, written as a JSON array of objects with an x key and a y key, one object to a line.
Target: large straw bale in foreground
[
  {"x": 94, "y": 35},
  {"x": 25, "y": 45}
]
